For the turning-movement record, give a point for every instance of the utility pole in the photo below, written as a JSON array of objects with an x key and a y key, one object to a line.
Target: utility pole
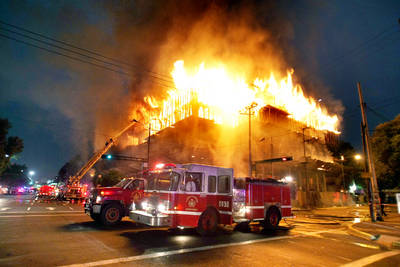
[
  {"x": 371, "y": 167},
  {"x": 369, "y": 189},
  {"x": 148, "y": 147},
  {"x": 271, "y": 156},
  {"x": 305, "y": 159},
  {"x": 250, "y": 113},
  {"x": 344, "y": 183}
]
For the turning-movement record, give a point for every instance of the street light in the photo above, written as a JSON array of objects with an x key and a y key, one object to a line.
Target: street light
[
  {"x": 31, "y": 173},
  {"x": 357, "y": 157},
  {"x": 343, "y": 179}
]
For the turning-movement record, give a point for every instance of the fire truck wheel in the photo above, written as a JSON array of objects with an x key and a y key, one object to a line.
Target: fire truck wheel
[
  {"x": 208, "y": 223},
  {"x": 272, "y": 218},
  {"x": 111, "y": 214},
  {"x": 95, "y": 217}
]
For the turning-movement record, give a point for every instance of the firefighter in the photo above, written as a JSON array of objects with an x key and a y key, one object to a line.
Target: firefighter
[{"x": 190, "y": 184}]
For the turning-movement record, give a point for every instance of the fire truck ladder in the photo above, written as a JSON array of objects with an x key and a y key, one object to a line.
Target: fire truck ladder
[{"x": 78, "y": 176}]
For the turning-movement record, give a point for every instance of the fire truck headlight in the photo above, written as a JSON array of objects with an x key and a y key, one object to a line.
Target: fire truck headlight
[
  {"x": 247, "y": 209},
  {"x": 133, "y": 206},
  {"x": 161, "y": 207},
  {"x": 98, "y": 199},
  {"x": 145, "y": 205}
]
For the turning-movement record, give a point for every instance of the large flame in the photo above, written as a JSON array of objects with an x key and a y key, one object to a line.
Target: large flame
[{"x": 216, "y": 94}]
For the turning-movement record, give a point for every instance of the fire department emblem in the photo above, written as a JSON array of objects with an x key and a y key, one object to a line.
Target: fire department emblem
[{"x": 192, "y": 201}]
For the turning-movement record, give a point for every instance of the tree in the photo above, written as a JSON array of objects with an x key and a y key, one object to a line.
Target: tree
[
  {"x": 386, "y": 149},
  {"x": 15, "y": 175},
  {"x": 10, "y": 146},
  {"x": 351, "y": 168},
  {"x": 69, "y": 169},
  {"x": 110, "y": 178}
]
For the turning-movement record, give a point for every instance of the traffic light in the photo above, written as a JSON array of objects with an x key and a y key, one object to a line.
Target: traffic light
[
  {"x": 281, "y": 159},
  {"x": 122, "y": 157},
  {"x": 107, "y": 156}
]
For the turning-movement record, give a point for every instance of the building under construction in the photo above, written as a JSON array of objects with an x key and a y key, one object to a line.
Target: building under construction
[{"x": 273, "y": 135}]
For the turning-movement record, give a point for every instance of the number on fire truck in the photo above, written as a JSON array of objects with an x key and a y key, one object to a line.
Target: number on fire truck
[{"x": 223, "y": 204}]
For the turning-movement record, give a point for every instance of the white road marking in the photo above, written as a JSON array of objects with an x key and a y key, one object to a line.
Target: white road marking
[
  {"x": 28, "y": 209},
  {"x": 175, "y": 252},
  {"x": 371, "y": 259},
  {"x": 43, "y": 212},
  {"x": 50, "y": 208},
  {"x": 70, "y": 208},
  {"x": 3, "y": 209},
  {"x": 40, "y": 215}
]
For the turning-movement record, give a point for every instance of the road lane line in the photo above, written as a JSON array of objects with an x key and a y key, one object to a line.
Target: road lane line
[
  {"x": 70, "y": 208},
  {"x": 50, "y": 208},
  {"x": 371, "y": 259},
  {"x": 28, "y": 209},
  {"x": 4, "y": 209},
  {"x": 40, "y": 215},
  {"x": 22, "y": 213},
  {"x": 174, "y": 252}
]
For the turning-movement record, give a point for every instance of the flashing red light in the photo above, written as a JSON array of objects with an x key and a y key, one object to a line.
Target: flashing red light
[{"x": 106, "y": 193}]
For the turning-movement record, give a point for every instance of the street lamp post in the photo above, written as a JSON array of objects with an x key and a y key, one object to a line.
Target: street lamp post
[{"x": 344, "y": 183}]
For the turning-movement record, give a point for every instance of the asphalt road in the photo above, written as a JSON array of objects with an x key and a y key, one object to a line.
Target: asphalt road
[{"x": 49, "y": 233}]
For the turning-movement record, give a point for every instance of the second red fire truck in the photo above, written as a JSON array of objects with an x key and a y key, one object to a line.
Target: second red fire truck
[{"x": 201, "y": 197}]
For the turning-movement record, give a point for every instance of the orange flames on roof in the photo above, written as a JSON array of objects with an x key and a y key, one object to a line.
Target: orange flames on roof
[{"x": 214, "y": 93}]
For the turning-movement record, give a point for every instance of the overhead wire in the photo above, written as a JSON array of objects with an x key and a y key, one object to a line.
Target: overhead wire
[
  {"x": 84, "y": 49},
  {"x": 371, "y": 41}
]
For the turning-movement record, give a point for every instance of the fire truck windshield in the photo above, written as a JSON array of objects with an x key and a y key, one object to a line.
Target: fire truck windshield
[
  {"x": 167, "y": 181},
  {"x": 123, "y": 183}
]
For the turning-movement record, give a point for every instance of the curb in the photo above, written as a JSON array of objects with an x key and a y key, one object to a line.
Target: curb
[
  {"x": 361, "y": 234},
  {"x": 384, "y": 241},
  {"x": 315, "y": 222}
]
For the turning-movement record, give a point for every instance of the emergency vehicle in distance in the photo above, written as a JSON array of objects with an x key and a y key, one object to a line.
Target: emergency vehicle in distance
[
  {"x": 108, "y": 205},
  {"x": 46, "y": 191},
  {"x": 76, "y": 191},
  {"x": 201, "y": 196}
]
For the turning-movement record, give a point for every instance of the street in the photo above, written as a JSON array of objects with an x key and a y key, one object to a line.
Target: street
[{"x": 48, "y": 233}]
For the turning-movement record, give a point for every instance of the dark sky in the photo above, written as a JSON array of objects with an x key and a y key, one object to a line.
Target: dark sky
[{"x": 55, "y": 103}]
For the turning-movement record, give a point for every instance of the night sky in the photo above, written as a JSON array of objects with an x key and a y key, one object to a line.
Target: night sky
[{"x": 54, "y": 103}]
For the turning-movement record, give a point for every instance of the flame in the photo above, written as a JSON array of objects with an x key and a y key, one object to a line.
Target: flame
[{"x": 216, "y": 94}]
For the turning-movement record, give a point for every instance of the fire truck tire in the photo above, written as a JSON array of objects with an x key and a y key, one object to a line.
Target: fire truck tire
[
  {"x": 272, "y": 218},
  {"x": 111, "y": 214},
  {"x": 208, "y": 223},
  {"x": 95, "y": 217}
]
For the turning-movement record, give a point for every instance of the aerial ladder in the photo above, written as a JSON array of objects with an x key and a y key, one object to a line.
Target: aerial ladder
[{"x": 74, "y": 180}]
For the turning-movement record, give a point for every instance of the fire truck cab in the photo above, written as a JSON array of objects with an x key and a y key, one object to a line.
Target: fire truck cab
[
  {"x": 109, "y": 204},
  {"x": 202, "y": 196}
]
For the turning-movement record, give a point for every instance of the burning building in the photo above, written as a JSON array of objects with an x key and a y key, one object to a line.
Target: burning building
[
  {"x": 211, "y": 118},
  {"x": 230, "y": 99}
]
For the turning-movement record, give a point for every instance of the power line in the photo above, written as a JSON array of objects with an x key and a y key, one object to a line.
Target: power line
[
  {"x": 72, "y": 51},
  {"x": 355, "y": 50},
  {"x": 85, "y": 50},
  {"x": 77, "y": 59}
]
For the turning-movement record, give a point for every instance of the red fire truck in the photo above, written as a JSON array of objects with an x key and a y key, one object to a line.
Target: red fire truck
[
  {"x": 109, "y": 204},
  {"x": 46, "y": 191},
  {"x": 201, "y": 196},
  {"x": 76, "y": 191}
]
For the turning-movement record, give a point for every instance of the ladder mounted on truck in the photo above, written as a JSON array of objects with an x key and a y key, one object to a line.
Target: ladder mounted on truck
[{"x": 85, "y": 168}]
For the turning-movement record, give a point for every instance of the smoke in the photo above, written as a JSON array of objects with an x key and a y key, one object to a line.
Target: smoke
[{"x": 251, "y": 37}]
